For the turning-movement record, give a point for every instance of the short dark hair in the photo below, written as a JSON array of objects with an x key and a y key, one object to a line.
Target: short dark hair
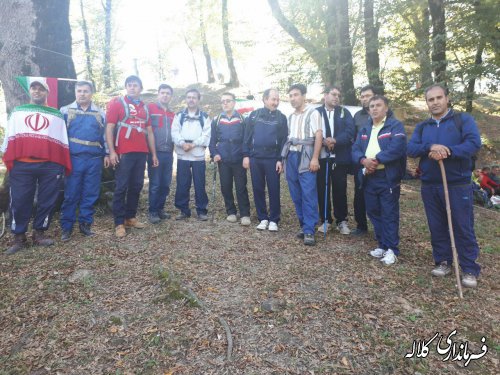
[
  {"x": 85, "y": 83},
  {"x": 330, "y": 88},
  {"x": 484, "y": 169},
  {"x": 229, "y": 94},
  {"x": 367, "y": 88},
  {"x": 379, "y": 97},
  {"x": 298, "y": 86},
  {"x": 164, "y": 86},
  {"x": 267, "y": 92},
  {"x": 437, "y": 85},
  {"x": 133, "y": 78},
  {"x": 195, "y": 91}
]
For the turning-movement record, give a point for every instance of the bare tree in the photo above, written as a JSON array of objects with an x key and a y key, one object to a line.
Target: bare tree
[
  {"x": 437, "y": 11},
  {"x": 192, "y": 57},
  {"x": 206, "y": 52},
  {"x": 371, "y": 27},
  {"x": 233, "y": 81},
  {"x": 106, "y": 68},
  {"x": 90, "y": 74}
]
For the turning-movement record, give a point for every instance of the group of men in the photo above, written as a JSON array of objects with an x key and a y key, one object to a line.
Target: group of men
[{"x": 316, "y": 149}]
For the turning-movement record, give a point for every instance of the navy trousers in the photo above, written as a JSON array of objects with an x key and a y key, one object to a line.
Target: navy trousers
[
  {"x": 359, "y": 202},
  {"x": 24, "y": 179},
  {"x": 159, "y": 181},
  {"x": 234, "y": 173},
  {"x": 187, "y": 171},
  {"x": 263, "y": 172},
  {"x": 462, "y": 217},
  {"x": 337, "y": 191},
  {"x": 81, "y": 190},
  {"x": 382, "y": 207},
  {"x": 129, "y": 179},
  {"x": 303, "y": 192}
]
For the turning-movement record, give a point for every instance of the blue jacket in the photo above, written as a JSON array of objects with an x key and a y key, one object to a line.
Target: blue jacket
[
  {"x": 265, "y": 134},
  {"x": 343, "y": 129},
  {"x": 463, "y": 144},
  {"x": 85, "y": 129},
  {"x": 227, "y": 137},
  {"x": 392, "y": 142}
]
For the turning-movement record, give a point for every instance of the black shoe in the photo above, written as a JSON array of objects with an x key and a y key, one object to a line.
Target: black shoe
[
  {"x": 300, "y": 234},
  {"x": 85, "y": 229},
  {"x": 163, "y": 215},
  {"x": 359, "y": 232},
  {"x": 154, "y": 218},
  {"x": 202, "y": 217},
  {"x": 309, "y": 240},
  {"x": 66, "y": 235},
  {"x": 182, "y": 216},
  {"x": 20, "y": 242},
  {"x": 40, "y": 239}
]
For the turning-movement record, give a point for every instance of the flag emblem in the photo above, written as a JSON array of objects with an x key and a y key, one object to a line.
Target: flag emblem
[{"x": 37, "y": 122}]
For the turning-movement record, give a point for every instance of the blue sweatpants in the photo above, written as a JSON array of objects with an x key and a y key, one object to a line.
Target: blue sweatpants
[
  {"x": 159, "y": 181},
  {"x": 382, "y": 208},
  {"x": 462, "y": 217},
  {"x": 303, "y": 192},
  {"x": 186, "y": 171},
  {"x": 24, "y": 178},
  {"x": 263, "y": 171},
  {"x": 81, "y": 189},
  {"x": 129, "y": 179}
]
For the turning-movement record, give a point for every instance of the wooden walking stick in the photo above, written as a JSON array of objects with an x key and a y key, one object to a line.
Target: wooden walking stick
[{"x": 450, "y": 228}]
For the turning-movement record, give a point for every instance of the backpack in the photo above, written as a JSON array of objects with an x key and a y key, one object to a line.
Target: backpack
[
  {"x": 122, "y": 123},
  {"x": 202, "y": 116}
]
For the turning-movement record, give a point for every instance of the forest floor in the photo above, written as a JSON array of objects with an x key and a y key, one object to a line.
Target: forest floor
[{"x": 161, "y": 300}]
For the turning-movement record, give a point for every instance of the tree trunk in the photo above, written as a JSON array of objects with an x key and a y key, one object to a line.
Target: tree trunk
[
  {"x": 371, "y": 47},
  {"x": 40, "y": 47},
  {"x": 90, "y": 74},
  {"x": 106, "y": 70},
  {"x": 478, "y": 61},
  {"x": 424, "y": 50},
  {"x": 439, "y": 63},
  {"x": 192, "y": 57},
  {"x": 233, "y": 81},
  {"x": 206, "y": 52}
]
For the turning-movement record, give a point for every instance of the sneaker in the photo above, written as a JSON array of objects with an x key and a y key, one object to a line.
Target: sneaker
[
  {"x": 343, "y": 228},
  {"x": 163, "y": 215},
  {"x": 182, "y": 216},
  {"x": 263, "y": 225},
  {"x": 232, "y": 218},
  {"x": 389, "y": 258},
  {"x": 359, "y": 232},
  {"x": 20, "y": 242},
  {"x": 469, "y": 280},
  {"x": 40, "y": 239},
  {"x": 377, "y": 253},
  {"x": 85, "y": 229},
  {"x": 134, "y": 223},
  {"x": 245, "y": 221},
  {"x": 65, "y": 236},
  {"x": 273, "y": 227},
  {"x": 202, "y": 217},
  {"x": 300, "y": 234},
  {"x": 120, "y": 231},
  {"x": 441, "y": 270},
  {"x": 321, "y": 228},
  {"x": 309, "y": 240},
  {"x": 154, "y": 218}
]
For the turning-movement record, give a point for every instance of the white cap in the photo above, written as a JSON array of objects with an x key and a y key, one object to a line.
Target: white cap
[{"x": 42, "y": 81}]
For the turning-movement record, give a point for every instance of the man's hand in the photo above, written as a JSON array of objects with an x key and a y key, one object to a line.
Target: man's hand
[
  {"x": 187, "y": 147},
  {"x": 217, "y": 158},
  {"x": 314, "y": 165},
  {"x": 330, "y": 143},
  {"x": 246, "y": 162},
  {"x": 279, "y": 167},
  {"x": 156, "y": 162},
  {"x": 370, "y": 164},
  {"x": 107, "y": 162},
  {"x": 439, "y": 152},
  {"x": 114, "y": 158}
]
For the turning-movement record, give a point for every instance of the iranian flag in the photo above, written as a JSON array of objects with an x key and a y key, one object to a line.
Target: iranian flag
[{"x": 35, "y": 131}]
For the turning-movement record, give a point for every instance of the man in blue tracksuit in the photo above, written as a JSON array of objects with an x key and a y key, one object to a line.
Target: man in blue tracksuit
[
  {"x": 453, "y": 138},
  {"x": 85, "y": 124},
  {"x": 226, "y": 143},
  {"x": 266, "y": 131},
  {"x": 381, "y": 149}
]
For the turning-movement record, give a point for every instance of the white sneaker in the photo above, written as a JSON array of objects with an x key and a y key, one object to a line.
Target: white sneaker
[
  {"x": 343, "y": 228},
  {"x": 389, "y": 258},
  {"x": 377, "y": 253},
  {"x": 245, "y": 221},
  {"x": 273, "y": 227},
  {"x": 321, "y": 228},
  {"x": 263, "y": 225},
  {"x": 231, "y": 218}
]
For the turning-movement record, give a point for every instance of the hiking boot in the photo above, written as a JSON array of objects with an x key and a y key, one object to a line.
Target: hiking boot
[
  {"x": 182, "y": 216},
  {"x": 120, "y": 231},
  {"x": 202, "y": 217},
  {"x": 40, "y": 239},
  {"x": 232, "y": 218},
  {"x": 263, "y": 225},
  {"x": 359, "y": 232},
  {"x": 441, "y": 270},
  {"x": 19, "y": 243},
  {"x": 85, "y": 229},
  {"x": 245, "y": 221},
  {"x": 66, "y": 235},
  {"x": 163, "y": 215},
  {"x": 309, "y": 240},
  {"x": 469, "y": 280},
  {"x": 321, "y": 228},
  {"x": 134, "y": 223},
  {"x": 377, "y": 253},
  {"x": 343, "y": 228},
  {"x": 389, "y": 258},
  {"x": 273, "y": 227},
  {"x": 154, "y": 218},
  {"x": 300, "y": 234}
]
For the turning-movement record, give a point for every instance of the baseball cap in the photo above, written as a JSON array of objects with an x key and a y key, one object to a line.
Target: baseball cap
[{"x": 42, "y": 81}]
